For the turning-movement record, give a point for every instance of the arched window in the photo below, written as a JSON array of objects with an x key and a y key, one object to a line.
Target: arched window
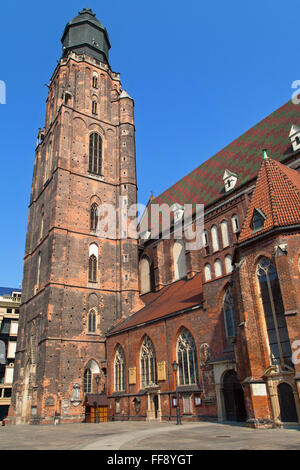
[
  {"x": 92, "y": 321},
  {"x": 95, "y": 81},
  {"x": 119, "y": 370},
  {"x": 225, "y": 235},
  {"x": 218, "y": 268},
  {"x": 279, "y": 343},
  {"x": 229, "y": 314},
  {"x": 206, "y": 242},
  {"x": 187, "y": 359},
  {"x": 38, "y": 277},
  {"x": 215, "y": 238},
  {"x": 179, "y": 259},
  {"x": 235, "y": 223},
  {"x": 87, "y": 383},
  {"x": 93, "y": 268},
  {"x": 145, "y": 276},
  {"x": 148, "y": 363},
  {"x": 95, "y": 154},
  {"x": 94, "y": 217},
  {"x": 94, "y": 107},
  {"x": 207, "y": 272},
  {"x": 42, "y": 224},
  {"x": 228, "y": 264}
]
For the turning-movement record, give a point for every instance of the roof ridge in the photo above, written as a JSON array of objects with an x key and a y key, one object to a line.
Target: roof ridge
[
  {"x": 271, "y": 190},
  {"x": 250, "y": 204},
  {"x": 285, "y": 172}
]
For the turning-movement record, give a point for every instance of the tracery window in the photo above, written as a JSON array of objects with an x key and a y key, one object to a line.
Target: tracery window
[
  {"x": 92, "y": 317},
  {"x": 94, "y": 217},
  {"x": 207, "y": 272},
  {"x": 229, "y": 314},
  {"x": 187, "y": 359},
  {"x": 95, "y": 154},
  {"x": 279, "y": 342},
  {"x": 119, "y": 369},
  {"x": 147, "y": 363},
  {"x": 215, "y": 238},
  {"x": 87, "y": 382},
  {"x": 93, "y": 268}
]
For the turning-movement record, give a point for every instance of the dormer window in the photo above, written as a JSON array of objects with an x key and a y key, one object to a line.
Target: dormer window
[
  {"x": 258, "y": 220},
  {"x": 230, "y": 180},
  {"x": 295, "y": 137}
]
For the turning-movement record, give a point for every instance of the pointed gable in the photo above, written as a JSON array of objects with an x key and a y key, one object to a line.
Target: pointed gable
[{"x": 276, "y": 196}]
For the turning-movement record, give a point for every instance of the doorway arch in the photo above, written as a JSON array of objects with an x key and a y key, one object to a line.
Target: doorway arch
[
  {"x": 233, "y": 397},
  {"x": 288, "y": 411}
]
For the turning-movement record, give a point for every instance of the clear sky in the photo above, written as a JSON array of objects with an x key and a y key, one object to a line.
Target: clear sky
[{"x": 201, "y": 73}]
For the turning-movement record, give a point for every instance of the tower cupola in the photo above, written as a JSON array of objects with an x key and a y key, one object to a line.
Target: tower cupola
[{"x": 85, "y": 34}]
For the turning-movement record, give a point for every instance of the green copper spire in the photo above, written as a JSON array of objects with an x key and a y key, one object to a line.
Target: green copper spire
[
  {"x": 85, "y": 34},
  {"x": 265, "y": 155}
]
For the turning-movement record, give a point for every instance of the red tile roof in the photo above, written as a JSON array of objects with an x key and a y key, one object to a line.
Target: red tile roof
[
  {"x": 181, "y": 295},
  {"x": 204, "y": 185},
  {"x": 277, "y": 195}
]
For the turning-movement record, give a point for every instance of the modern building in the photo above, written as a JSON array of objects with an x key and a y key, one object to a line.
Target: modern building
[
  {"x": 10, "y": 300},
  {"x": 117, "y": 329}
]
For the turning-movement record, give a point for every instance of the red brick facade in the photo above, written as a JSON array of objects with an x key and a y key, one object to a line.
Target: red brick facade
[{"x": 213, "y": 321}]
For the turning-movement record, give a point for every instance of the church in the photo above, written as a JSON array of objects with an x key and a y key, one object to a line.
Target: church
[{"x": 115, "y": 327}]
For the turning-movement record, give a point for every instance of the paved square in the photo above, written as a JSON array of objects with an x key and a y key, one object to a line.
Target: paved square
[{"x": 147, "y": 436}]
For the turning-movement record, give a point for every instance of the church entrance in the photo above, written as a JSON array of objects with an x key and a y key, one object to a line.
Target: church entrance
[
  {"x": 233, "y": 397},
  {"x": 288, "y": 412}
]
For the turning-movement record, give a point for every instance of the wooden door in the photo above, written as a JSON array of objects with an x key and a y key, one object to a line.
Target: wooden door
[{"x": 288, "y": 412}]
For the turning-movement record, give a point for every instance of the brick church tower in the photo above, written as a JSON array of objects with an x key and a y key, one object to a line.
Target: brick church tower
[{"x": 76, "y": 283}]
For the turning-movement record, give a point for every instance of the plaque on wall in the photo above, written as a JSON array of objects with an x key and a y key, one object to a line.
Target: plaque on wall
[
  {"x": 65, "y": 406},
  {"x": 259, "y": 390},
  {"x": 132, "y": 375},
  {"x": 49, "y": 401},
  {"x": 161, "y": 370}
]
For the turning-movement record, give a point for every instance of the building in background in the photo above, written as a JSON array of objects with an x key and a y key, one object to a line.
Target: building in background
[{"x": 10, "y": 300}]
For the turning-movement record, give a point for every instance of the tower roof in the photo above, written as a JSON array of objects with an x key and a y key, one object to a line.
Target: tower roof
[
  {"x": 276, "y": 196},
  {"x": 85, "y": 34}
]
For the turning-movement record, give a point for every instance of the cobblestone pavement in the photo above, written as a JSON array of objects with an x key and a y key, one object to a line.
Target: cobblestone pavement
[{"x": 147, "y": 436}]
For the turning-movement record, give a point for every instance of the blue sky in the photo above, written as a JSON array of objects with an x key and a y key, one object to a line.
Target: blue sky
[{"x": 201, "y": 73}]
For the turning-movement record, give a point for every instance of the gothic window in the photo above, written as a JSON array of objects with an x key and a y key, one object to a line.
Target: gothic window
[
  {"x": 146, "y": 276},
  {"x": 68, "y": 99},
  {"x": 92, "y": 317},
  {"x": 206, "y": 242},
  {"x": 87, "y": 383},
  {"x": 38, "y": 280},
  {"x": 93, "y": 268},
  {"x": 228, "y": 264},
  {"x": 235, "y": 223},
  {"x": 94, "y": 217},
  {"x": 179, "y": 259},
  {"x": 187, "y": 359},
  {"x": 42, "y": 224},
  {"x": 119, "y": 370},
  {"x": 224, "y": 231},
  {"x": 95, "y": 81},
  {"x": 229, "y": 314},
  {"x": 207, "y": 272},
  {"x": 258, "y": 220},
  {"x": 95, "y": 154},
  {"x": 218, "y": 268},
  {"x": 147, "y": 363},
  {"x": 215, "y": 239},
  {"x": 279, "y": 343}
]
